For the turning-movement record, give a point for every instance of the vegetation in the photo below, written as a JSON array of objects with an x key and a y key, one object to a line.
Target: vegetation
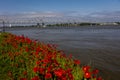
[
  {"x": 73, "y": 24},
  {"x": 24, "y": 59}
]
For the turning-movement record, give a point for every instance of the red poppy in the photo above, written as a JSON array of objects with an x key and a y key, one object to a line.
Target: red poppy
[
  {"x": 48, "y": 75},
  {"x": 45, "y": 61},
  {"x": 77, "y": 62},
  {"x": 71, "y": 76},
  {"x": 35, "y": 78},
  {"x": 38, "y": 49},
  {"x": 86, "y": 68},
  {"x": 99, "y": 78},
  {"x": 36, "y": 53},
  {"x": 35, "y": 69},
  {"x": 59, "y": 72},
  {"x": 44, "y": 64},
  {"x": 28, "y": 40},
  {"x": 27, "y": 50},
  {"x": 64, "y": 78},
  {"x": 96, "y": 71},
  {"x": 41, "y": 70},
  {"x": 37, "y": 62},
  {"x": 68, "y": 70},
  {"x": 87, "y": 75},
  {"x": 49, "y": 69},
  {"x": 23, "y": 79}
]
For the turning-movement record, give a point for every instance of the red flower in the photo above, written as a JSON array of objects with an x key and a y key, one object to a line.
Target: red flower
[
  {"x": 37, "y": 62},
  {"x": 86, "y": 68},
  {"x": 59, "y": 72},
  {"x": 48, "y": 75},
  {"x": 99, "y": 78},
  {"x": 77, "y": 62},
  {"x": 28, "y": 40},
  {"x": 27, "y": 50},
  {"x": 38, "y": 49},
  {"x": 35, "y": 69},
  {"x": 46, "y": 61},
  {"x": 36, "y": 53},
  {"x": 63, "y": 78},
  {"x": 87, "y": 75},
  {"x": 35, "y": 78},
  {"x": 41, "y": 70},
  {"x": 96, "y": 71},
  {"x": 69, "y": 70},
  {"x": 49, "y": 69},
  {"x": 71, "y": 76}
]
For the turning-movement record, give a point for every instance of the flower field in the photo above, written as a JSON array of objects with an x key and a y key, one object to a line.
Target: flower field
[{"x": 24, "y": 59}]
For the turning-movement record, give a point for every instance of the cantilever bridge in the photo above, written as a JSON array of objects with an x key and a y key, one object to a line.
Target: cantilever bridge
[
  {"x": 23, "y": 21},
  {"x": 20, "y": 21}
]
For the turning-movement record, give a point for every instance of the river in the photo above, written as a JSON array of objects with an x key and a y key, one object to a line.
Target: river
[{"x": 98, "y": 45}]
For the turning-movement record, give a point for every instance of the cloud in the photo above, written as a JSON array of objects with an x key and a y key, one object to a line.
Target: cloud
[
  {"x": 103, "y": 16},
  {"x": 106, "y": 14},
  {"x": 35, "y": 14},
  {"x": 41, "y": 14},
  {"x": 67, "y": 16}
]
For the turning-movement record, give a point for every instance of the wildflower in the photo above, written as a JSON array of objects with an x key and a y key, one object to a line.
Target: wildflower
[
  {"x": 96, "y": 71},
  {"x": 37, "y": 62},
  {"x": 49, "y": 69},
  {"x": 68, "y": 70},
  {"x": 27, "y": 50},
  {"x": 35, "y": 78},
  {"x": 64, "y": 78},
  {"x": 44, "y": 65},
  {"x": 36, "y": 53},
  {"x": 87, "y": 75},
  {"x": 35, "y": 69},
  {"x": 23, "y": 79},
  {"x": 28, "y": 40},
  {"x": 71, "y": 76},
  {"x": 77, "y": 62},
  {"x": 41, "y": 70},
  {"x": 48, "y": 75},
  {"x": 99, "y": 78},
  {"x": 59, "y": 72},
  {"x": 45, "y": 61},
  {"x": 86, "y": 68}
]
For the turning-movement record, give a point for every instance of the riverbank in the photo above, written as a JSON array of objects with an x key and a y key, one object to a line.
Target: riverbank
[{"x": 62, "y": 27}]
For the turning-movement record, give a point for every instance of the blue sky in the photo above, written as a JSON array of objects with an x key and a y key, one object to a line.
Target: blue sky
[
  {"x": 83, "y": 6},
  {"x": 89, "y": 8}
]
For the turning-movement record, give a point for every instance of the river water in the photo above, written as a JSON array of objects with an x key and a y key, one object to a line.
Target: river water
[{"x": 98, "y": 46}]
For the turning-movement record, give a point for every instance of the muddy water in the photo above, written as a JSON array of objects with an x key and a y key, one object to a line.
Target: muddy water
[{"x": 98, "y": 46}]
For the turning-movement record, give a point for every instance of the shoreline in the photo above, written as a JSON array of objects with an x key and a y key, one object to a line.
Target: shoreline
[{"x": 65, "y": 27}]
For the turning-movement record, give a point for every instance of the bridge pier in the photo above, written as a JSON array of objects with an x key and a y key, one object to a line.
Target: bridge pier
[{"x": 3, "y": 26}]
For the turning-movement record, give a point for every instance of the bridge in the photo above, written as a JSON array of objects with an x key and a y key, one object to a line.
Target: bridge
[{"x": 13, "y": 20}]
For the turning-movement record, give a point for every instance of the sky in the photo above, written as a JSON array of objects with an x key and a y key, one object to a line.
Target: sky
[{"x": 86, "y": 9}]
